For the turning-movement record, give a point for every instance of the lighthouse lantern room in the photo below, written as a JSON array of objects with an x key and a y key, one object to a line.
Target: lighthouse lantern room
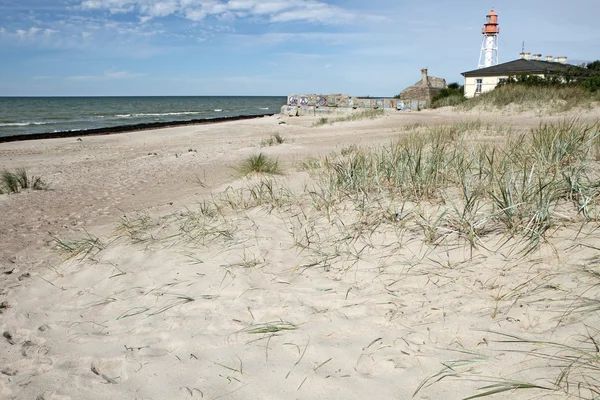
[{"x": 489, "y": 47}]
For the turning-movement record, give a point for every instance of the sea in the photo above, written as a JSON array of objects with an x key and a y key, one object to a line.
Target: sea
[{"x": 39, "y": 115}]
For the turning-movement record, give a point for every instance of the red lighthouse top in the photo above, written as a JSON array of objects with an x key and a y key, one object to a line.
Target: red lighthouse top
[{"x": 491, "y": 24}]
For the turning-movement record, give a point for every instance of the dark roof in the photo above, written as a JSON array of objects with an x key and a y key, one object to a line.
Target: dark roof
[{"x": 520, "y": 66}]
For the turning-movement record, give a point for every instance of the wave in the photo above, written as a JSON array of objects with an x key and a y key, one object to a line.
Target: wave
[
  {"x": 164, "y": 114},
  {"x": 218, "y": 110},
  {"x": 25, "y": 123},
  {"x": 264, "y": 108}
]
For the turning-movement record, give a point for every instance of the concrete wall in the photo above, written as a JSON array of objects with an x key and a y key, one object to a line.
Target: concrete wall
[{"x": 321, "y": 104}]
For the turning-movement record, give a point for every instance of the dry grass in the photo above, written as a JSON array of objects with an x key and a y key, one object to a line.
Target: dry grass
[
  {"x": 354, "y": 116},
  {"x": 548, "y": 100},
  {"x": 406, "y": 209},
  {"x": 273, "y": 140}
]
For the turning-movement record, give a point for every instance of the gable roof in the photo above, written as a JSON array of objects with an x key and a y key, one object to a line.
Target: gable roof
[{"x": 520, "y": 66}]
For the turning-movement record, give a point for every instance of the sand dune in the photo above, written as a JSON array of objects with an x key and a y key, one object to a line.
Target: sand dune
[{"x": 151, "y": 270}]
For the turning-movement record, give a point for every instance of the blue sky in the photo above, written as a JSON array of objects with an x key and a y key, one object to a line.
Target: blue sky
[{"x": 269, "y": 47}]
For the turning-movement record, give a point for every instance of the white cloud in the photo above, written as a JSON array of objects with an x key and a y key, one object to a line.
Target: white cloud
[
  {"x": 114, "y": 6},
  {"x": 316, "y": 12},
  {"x": 258, "y": 7},
  {"x": 195, "y": 15},
  {"x": 162, "y": 9},
  {"x": 27, "y": 34},
  {"x": 197, "y": 10}
]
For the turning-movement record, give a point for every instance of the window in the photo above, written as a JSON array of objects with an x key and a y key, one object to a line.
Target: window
[{"x": 479, "y": 85}]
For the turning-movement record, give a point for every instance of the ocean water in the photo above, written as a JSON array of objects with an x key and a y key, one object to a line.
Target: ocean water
[{"x": 30, "y": 115}]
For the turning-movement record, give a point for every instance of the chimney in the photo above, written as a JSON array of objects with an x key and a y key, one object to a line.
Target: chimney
[
  {"x": 561, "y": 59},
  {"x": 537, "y": 57},
  {"x": 424, "y": 76},
  {"x": 549, "y": 58},
  {"x": 521, "y": 56},
  {"x": 526, "y": 56}
]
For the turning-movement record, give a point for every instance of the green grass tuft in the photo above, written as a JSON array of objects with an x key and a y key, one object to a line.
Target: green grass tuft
[
  {"x": 271, "y": 327},
  {"x": 79, "y": 248},
  {"x": 13, "y": 182},
  {"x": 322, "y": 121},
  {"x": 273, "y": 140},
  {"x": 260, "y": 164},
  {"x": 10, "y": 182}
]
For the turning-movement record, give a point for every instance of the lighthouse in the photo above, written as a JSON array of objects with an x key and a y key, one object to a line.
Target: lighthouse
[{"x": 489, "y": 47}]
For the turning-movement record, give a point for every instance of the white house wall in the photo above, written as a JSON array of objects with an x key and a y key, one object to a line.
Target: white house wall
[{"x": 489, "y": 83}]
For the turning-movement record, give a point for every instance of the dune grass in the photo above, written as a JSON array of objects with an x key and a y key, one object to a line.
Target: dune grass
[
  {"x": 136, "y": 227},
  {"x": 552, "y": 99},
  {"x": 576, "y": 365},
  {"x": 453, "y": 100},
  {"x": 83, "y": 248},
  {"x": 322, "y": 121},
  {"x": 259, "y": 164},
  {"x": 10, "y": 183},
  {"x": 270, "y": 327},
  {"x": 273, "y": 140},
  {"x": 515, "y": 187},
  {"x": 458, "y": 189},
  {"x": 14, "y": 182},
  {"x": 370, "y": 113}
]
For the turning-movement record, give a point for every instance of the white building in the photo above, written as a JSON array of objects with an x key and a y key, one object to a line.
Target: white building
[{"x": 486, "y": 79}]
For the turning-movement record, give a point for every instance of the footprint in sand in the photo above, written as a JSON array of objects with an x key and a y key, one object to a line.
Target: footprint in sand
[
  {"x": 112, "y": 370},
  {"x": 52, "y": 396}
]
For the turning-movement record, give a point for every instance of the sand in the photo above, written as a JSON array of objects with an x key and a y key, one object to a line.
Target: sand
[{"x": 268, "y": 301}]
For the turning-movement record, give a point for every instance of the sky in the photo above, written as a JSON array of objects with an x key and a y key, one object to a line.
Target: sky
[{"x": 269, "y": 47}]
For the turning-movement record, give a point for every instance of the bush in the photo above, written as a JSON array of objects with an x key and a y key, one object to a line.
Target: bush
[
  {"x": 450, "y": 96},
  {"x": 587, "y": 77}
]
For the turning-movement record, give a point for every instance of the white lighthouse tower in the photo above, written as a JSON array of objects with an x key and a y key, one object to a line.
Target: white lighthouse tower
[{"x": 489, "y": 47}]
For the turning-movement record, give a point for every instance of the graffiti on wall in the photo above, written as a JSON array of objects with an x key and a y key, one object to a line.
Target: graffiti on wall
[{"x": 343, "y": 101}]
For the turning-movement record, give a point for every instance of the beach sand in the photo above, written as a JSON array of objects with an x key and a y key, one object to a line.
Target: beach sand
[{"x": 125, "y": 280}]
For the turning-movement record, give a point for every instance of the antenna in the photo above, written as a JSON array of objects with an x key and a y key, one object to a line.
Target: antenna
[{"x": 523, "y": 47}]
